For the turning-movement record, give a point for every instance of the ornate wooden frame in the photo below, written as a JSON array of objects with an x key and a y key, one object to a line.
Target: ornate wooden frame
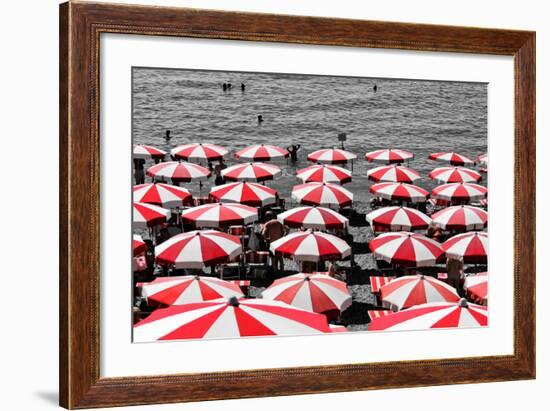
[{"x": 81, "y": 24}]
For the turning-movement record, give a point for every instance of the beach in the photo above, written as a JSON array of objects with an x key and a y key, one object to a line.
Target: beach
[{"x": 415, "y": 115}]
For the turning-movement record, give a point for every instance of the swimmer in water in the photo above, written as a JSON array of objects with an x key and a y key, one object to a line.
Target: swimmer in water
[
  {"x": 224, "y": 87},
  {"x": 242, "y": 87},
  {"x": 293, "y": 150},
  {"x": 260, "y": 119},
  {"x": 167, "y": 136},
  {"x": 375, "y": 88}
]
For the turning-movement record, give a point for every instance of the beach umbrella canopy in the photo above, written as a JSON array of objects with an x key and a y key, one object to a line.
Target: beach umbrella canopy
[
  {"x": 331, "y": 156},
  {"x": 452, "y": 158},
  {"x": 220, "y": 215},
  {"x": 433, "y": 315},
  {"x": 139, "y": 245},
  {"x": 199, "y": 151},
  {"x": 261, "y": 152},
  {"x": 198, "y": 249},
  {"x": 469, "y": 247},
  {"x": 338, "y": 328},
  {"x": 188, "y": 289},
  {"x": 398, "y": 218},
  {"x": 482, "y": 159},
  {"x": 399, "y": 191},
  {"x": 251, "y": 172},
  {"x": 407, "y": 249},
  {"x": 146, "y": 152},
  {"x": 455, "y": 175},
  {"x": 463, "y": 217},
  {"x": 393, "y": 173},
  {"x": 317, "y": 218},
  {"x": 476, "y": 287},
  {"x": 459, "y": 192},
  {"x": 178, "y": 171},
  {"x": 313, "y": 292},
  {"x": 322, "y": 194},
  {"x": 149, "y": 215},
  {"x": 410, "y": 290},
  {"x": 164, "y": 195},
  {"x": 311, "y": 246},
  {"x": 322, "y": 173},
  {"x": 389, "y": 156},
  {"x": 251, "y": 194},
  {"x": 231, "y": 318}
]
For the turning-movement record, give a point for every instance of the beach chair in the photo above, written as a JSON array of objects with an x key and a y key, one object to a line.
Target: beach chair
[
  {"x": 376, "y": 283},
  {"x": 257, "y": 263},
  {"x": 232, "y": 269},
  {"x": 244, "y": 285},
  {"x": 373, "y": 314}
]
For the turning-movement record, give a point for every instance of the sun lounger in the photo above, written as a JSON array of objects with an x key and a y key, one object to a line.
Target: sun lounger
[
  {"x": 377, "y": 282},
  {"x": 378, "y": 313},
  {"x": 243, "y": 284}
]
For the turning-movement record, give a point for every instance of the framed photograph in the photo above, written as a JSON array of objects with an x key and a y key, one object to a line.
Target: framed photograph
[{"x": 257, "y": 205}]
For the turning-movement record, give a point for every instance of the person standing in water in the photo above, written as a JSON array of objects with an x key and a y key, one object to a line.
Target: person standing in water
[
  {"x": 375, "y": 88},
  {"x": 242, "y": 87},
  {"x": 260, "y": 119},
  {"x": 293, "y": 150}
]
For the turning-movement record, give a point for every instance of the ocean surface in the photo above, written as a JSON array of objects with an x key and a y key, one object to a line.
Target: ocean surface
[{"x": 415, "y": 115}]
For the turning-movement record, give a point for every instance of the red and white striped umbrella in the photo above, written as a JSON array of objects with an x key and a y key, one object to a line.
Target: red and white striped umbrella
[
  {"x": 188, "y": 289},
  {"x": 251, "y": 172},
  {"x": 463, "y": 217},
  {"x": 311, "y": 246},
  {"x": 398, "y": 219},
  {"x": 393, "y": 173},
  {"x": 261, "y": 152},
  {"x": 459, "y": 192},
  {"x": 322, "y": 194},
  {"x": 452, "y": 158},
  {"x": 139, "y": 245},
  {"x": 317, "y": 218},
  {"x": 198, "y": 249},
  {"x": 407, "y": 249},
  {"x": 149, "y": 215},
  {"x": 459, "y": 314},
  {"x": 331, "y": 156},
  {"x": 178, "y": 171},
  {"x": 476, "y": 287},
  {"x": 389, "y": 156},
  {"x": 455, "y": 175},
  {"x": 220, "y": 215},
  {"x": 199, "y": 151},
  {"x": 146, "y": 152},
  {"x": 313, "y": 292},
  {"x": 338, "y": 328},
  {"x": 482, "y": 159},
  {"x": 469, "y": 247},
  {"x": 322, "y": 173},
  {"x": 164, "y": 195},
  {"x": 231, "y": 318},
  {"x": 399, "y": 191},
  {"x": 404, "y": 292},
  {"x": 251, "y": 194}
]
